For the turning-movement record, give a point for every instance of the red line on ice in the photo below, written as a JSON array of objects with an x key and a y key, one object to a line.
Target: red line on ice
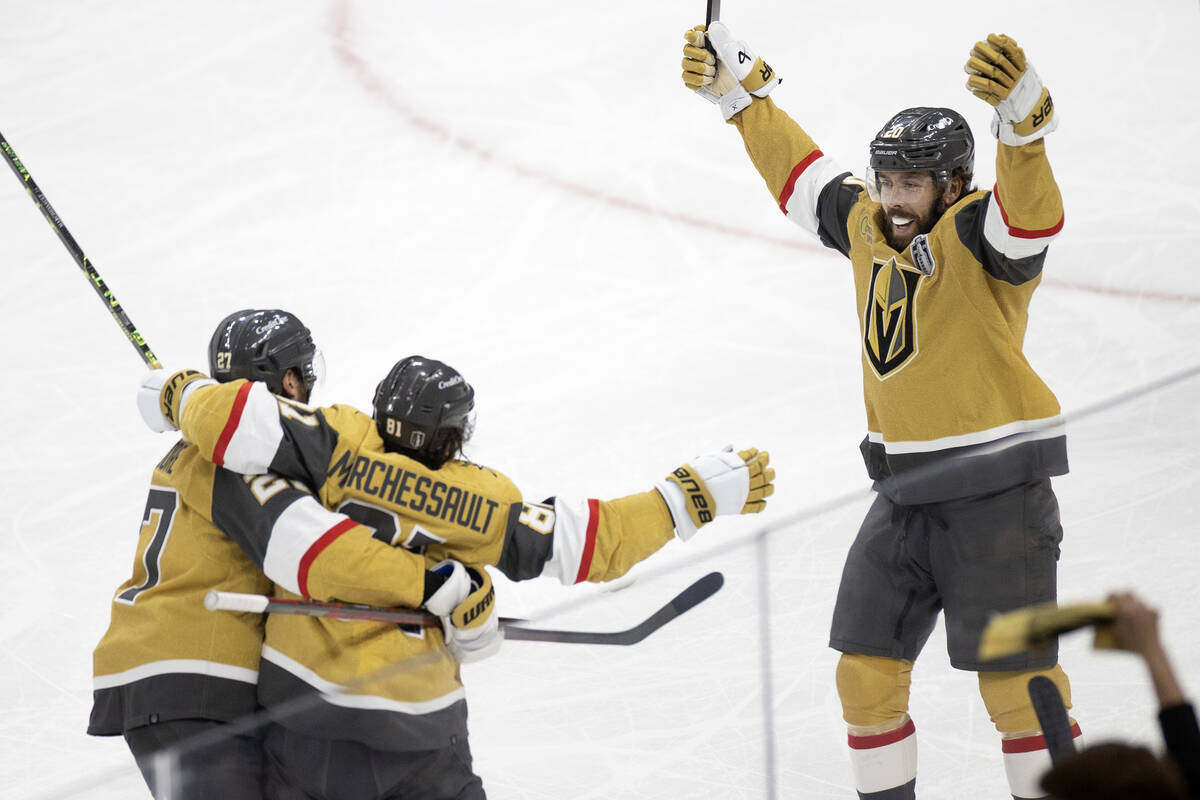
[{"x": 340, "y": 32}]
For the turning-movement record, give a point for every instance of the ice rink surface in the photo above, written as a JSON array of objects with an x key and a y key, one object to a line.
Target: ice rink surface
[{"x": 526, "y": 191}]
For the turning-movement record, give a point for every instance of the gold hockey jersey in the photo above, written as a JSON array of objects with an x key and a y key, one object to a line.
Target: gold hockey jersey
[
  {"x": 164, "y": 656},
  {"x": 953, "y": 407},
  {"x": 375, "y": 683}
]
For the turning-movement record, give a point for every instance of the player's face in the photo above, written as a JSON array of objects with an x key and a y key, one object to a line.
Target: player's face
[{"x": 910, "y": 205}]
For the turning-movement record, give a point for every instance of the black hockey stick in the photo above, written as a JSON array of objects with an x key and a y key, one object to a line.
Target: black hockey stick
[
  {"x": 1052, "y": 717},
  {"x": 712, "y": 13},
  {"x": 114, "y": 308},
  {"x": 683, "y": 602}
]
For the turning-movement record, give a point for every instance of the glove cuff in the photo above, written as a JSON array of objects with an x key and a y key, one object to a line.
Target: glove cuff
[
  {"x": 675, "y": 491},
  {"x": 175, "y": 392},
  {"x": 1009, "y": 134},
  {"x": 735, "y": 100},
  {"x": 1027, "y": 114},
  {"x": 477, "y": 606}
]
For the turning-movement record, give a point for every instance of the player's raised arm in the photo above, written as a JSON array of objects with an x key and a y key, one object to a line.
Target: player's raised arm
[
  {"x": 738, "y": 80},
  {"x": 1025, "y": 211}
]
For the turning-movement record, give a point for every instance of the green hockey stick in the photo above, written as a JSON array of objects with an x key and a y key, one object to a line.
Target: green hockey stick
[{"x": 114, "y": 308}]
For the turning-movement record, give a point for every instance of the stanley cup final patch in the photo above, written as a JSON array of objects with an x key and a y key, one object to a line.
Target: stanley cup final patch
[{"x": 922, "y": 256}]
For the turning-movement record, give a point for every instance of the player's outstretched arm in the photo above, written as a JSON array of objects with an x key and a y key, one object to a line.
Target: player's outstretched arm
[
  {"x": 1025, "y": 212},
  {"x": 729, "y": 77},
  {"x": 601, "y": 540},
  {"x": 999, "y": 73}
]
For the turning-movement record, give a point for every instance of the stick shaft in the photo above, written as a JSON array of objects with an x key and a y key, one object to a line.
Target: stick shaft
[
  {"x": 64, "y": 235},
  {"x": 256, "y": 603},
  {"x": 689, "y": 598}
]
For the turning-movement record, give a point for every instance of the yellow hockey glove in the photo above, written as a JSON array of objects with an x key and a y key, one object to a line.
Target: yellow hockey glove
[
  {"x": 999, "y": 73},
  {"x": 718, "y": 483},
  {"x": 161, "y": 396},
  {"x": 701, "y": 72},
  {"x": 466, "y": 602},
  {"x": 732, "y": 77}
]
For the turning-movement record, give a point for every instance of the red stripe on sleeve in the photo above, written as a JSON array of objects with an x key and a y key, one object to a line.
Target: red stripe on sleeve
[
  {"x": 1021, "y": 233},
  {"x": 1028, "y": 744},
  {"x": 316, "y": 549},
  {"x": 790, "y": 186},
  {"x": 235, "y": 416},
  {"x": 882, "y": 739},
  {"x": 589, "y": 546}
]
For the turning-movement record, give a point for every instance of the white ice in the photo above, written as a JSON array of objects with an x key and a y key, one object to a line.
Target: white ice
[{"x": 526, "y": 191}]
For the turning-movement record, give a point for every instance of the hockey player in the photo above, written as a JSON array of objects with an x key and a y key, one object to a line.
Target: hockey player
[
  {"x": 167, "y": 669},
  {"x": 387, "y": 710},
  {"x": 962, "y": 434}
]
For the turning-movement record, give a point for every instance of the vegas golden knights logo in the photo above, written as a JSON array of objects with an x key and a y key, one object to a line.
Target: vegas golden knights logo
[{"x": 889, "y": 320}]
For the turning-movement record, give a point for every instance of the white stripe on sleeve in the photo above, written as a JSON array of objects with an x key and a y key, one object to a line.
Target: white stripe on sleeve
[
  {"x": 259, "y": 432},
  {"x": 298, "y": 528},
  {"x": 801, "y": 206},
  {"x": 998, "y": 235},
  {"x": 570, "y": 540}
]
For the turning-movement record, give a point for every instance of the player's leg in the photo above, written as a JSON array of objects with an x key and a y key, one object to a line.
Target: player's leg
[
  {"x": 999, "y": 553},
  {"x": 1006, "y": 695},
  {"x": 881, "y": 736},
  {"x": 886, "y": 609},
  {"x": 225, "y": 766}
]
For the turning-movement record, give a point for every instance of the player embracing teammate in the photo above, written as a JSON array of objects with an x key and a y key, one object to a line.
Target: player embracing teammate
[{"x": 962, "y": 435}]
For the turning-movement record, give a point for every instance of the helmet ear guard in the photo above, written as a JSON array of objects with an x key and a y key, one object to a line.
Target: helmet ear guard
[{"x": 422, "y": 408}]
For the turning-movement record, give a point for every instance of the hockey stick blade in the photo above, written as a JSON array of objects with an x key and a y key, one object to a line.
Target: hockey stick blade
[
  {"x": 1052, "y": 717},
  {"x": 683, "y": 602}
]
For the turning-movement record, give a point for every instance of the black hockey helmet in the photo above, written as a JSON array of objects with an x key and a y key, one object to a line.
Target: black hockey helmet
[
  {"x": 421, "y": 406},
  {"x": 262, "y": 345},
  {"x": 934, "y": 139}
]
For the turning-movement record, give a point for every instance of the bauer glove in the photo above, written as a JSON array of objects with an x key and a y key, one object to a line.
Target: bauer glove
[
  {"x": 999, "y": 73},
  {"x": 161, "y": 396},
  {"x": 466, "y": 602},
  {"x": 724, "y": 482},
  {"x": 730, "y": 77}
]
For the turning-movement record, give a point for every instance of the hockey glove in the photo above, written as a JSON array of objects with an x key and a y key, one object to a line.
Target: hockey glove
[
  {"x": 466, "y": 602},
  {"x": 724, "y": 482},
  {"x": 999, "y": 73},
  {"x": 161, "y": 396},
  {"x": 731, "y": 77}
]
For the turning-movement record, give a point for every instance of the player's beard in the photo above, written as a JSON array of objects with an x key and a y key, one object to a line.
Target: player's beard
[{"x": 921, "y": 223}]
